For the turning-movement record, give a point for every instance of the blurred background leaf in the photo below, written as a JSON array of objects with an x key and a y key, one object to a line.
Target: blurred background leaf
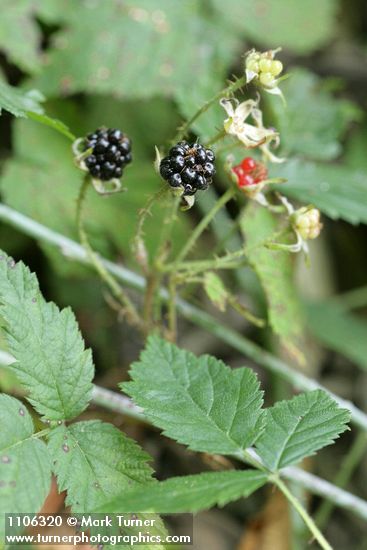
[
  {"x": 275, "y": 271},
  {"x": 314, "y": 121},
  {"x": 137, "y": 50},
  {"x": 339, "y": 330},
  {"x": 20, "y": 36},
  {"x": 301, "y": 26},
  {"x": 338, "y": 191}
]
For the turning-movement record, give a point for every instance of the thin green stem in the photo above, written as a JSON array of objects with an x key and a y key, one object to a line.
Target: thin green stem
[
  {"x": 226, "y": 92},
  {"x": 73, "y": 251},
  {"x": 168, "y": 222},
  {"x": 230, "y": 260},
  {"x": 129, "y": 308},
  {"x": 347, "y": 468},
  {"x": 222, "y": 201},
  {"x": 303, "y": 513},
  {"x": 218, "y": 137},
  {"x": 155, "y": 275},
  {"x": 143, "y": 214},
  {"x": 172, "y": 313}
]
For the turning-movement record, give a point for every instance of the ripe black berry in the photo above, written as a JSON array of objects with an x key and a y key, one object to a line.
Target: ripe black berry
[
  {"x": 177, "y": 163},
  {"x": 209, "y": 168},
  {"x": 165, "y": 170},
  {"x": 188, "y": 175},
  {"x": 111, "y": 152},
  {"x": 189, "y": 166},
  {"x": 201, "y": 183},
  {"x": 175, "y": 180},
  {"x": 210, "y": 155}
]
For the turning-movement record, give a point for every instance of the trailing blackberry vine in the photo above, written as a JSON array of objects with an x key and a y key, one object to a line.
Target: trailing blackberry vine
[{"x": 197, "y": 401}]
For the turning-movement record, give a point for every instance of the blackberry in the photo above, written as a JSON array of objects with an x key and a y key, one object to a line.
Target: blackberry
[
  {"x": 111, "y": 152},
  {"x": 188, "y": 166}
]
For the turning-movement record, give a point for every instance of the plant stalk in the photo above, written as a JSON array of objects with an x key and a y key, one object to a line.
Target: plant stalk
[
  {"x": 270, "y": 362},
  {"x": 226, "y": 92},
  {"x": 303, "y": 513},
  {"x": 129, "y": 308}
]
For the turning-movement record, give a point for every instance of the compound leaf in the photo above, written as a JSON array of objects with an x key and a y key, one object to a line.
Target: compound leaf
[
  {"x": 197, "y": 400},
  {"x": 51, "y": 360},
  {"x": 299, "y": 427},
  {"x": 189, "y": 493},
  {"x": 25, "y": 471}
]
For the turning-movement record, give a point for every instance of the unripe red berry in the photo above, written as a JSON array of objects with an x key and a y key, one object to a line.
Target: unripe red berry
[
  {"x": 247, "y": 180},
  {"x": 248, "y": 164},
  {"x": 243, "y": 179}
]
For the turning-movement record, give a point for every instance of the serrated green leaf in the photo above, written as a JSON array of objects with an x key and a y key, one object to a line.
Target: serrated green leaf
[
  {"x": 25, "y": 471},
  {"x": 313, "y": 122},
  {"x": 52, "y": 363},
  {"x": 94, "y": 462},
  {"x": 18, "y": 102},
  {"x": 197, "y": 400},
  {"x": 139, "y": 39},
  {"x": 190, "y": 493},
  {"x": 275, "y": 271},
  {"x": 20, "y": 35},
  {"x": 301, "y": 26},
  {"x": 339, "y": 330},
  {"x": 299, "y": 427},
  {"x": 337, "y": 191}
]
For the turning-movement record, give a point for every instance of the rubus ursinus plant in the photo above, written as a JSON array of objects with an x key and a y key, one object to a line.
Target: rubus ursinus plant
[{"x": 197, "y": 401}]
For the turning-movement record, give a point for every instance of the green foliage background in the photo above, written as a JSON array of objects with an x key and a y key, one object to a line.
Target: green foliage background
[{"x": 144, "y": 66}]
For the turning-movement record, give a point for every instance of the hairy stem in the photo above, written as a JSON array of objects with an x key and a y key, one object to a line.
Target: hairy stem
[
  {"x": 143, "y": 214},
  {"x": 228, "y": 261},
  {"x": 226, "y": 92},
  {"x": 129, "y": 308},
  {"x": 270, "y": 362},
  {"x": 203, "y": 224}
]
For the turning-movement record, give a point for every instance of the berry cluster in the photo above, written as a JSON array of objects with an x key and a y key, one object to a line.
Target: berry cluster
[
  {"x": 306, "y": 221},
  {"x": 111, "y": 151},
  {"x": 266, "y": 68},
  {"x": 188, "y": 166},
  {"x": 250, "y": 172}
]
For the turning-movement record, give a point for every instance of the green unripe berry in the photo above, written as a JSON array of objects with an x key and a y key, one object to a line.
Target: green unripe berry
[
  {"x": 266, "y": 79},
  {"x": 276, "y": 67},
  {"x": 252, "y": 65},
  {"x": 265, "y": 65}
]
